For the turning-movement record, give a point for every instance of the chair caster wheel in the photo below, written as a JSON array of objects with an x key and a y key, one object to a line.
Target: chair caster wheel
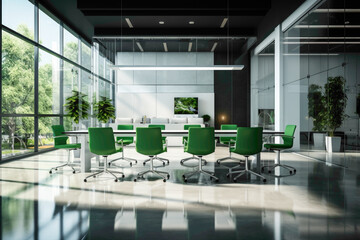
[
  {"x": 123, "y": 176},
  {"x": 234, "y": 180},
  {"x": 85, "y": 180},
  {"x": 290, "y": 172},
  {"x": 216, "y": 180},
  {"x": 74, "y": 172},
  {"x": 109, "y": 164},
  {"x": 94, "y": 176},
  {"x": 227, "y": 175},
  {"x": 144, "y": 163},
  {"x": 264, "y": 180},
  {"x": 135, "y": 180},
  {"x": 55, "y": 169},
  {"x": 168, "y": 176},
  {"x": 50, "y": 172},
  {"x": 164, "y": 180},
  {"x": 115, "y": 180},
  {"x": 135, "y": 162},
  {"x": 163, "y": 163},
  {"x": 217, "y": 162},
  {"x": 269, "y": 171},
  {"x": 294, "y": 171},
  {"x": 185, "y": 179},
  {"x": 205, "y": 163},
  {"x": 130, "y": 164}
]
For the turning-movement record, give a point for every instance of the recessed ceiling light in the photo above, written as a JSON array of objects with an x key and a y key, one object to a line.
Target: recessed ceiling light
[
  {"x": 165, "y": 47},
  {"x": 140, "y": 47},
  {"x": 190, "y": 46},
  {"x": 161, "y": 22},
  {"x": 191, "y": 22},
  {"x": 129, "y": 23},
  {"x": 214, "y": 46},
  {"x": 224, "y": 23}
]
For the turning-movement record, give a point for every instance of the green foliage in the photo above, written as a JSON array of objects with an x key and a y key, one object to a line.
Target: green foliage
[
  {"x": 316, "y": 109},
  {"x": 335, "y": 102},
  {"x": 77, "y": 107},
  {"x": 104, "y": 110},
  {"x": 206, "y": 117},
  {"x": 186, "y": 105}
]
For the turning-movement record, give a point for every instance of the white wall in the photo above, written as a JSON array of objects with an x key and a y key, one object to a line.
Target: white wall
[{"x": 152, "y": 93}]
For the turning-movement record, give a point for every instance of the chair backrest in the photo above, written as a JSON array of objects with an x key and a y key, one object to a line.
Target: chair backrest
[
  {"x": 58, "y": 131},
  {"x": 149, "y": 141},
  {"x": 125, "y": 127},
  {"x": 227, "y": 127},
  {"x": 161, "y": 126},
  {"x": 101, "y": 141},
  {"x": 289, "y": 135},
  {"x": 186, "y": 127},
  {"x": 248, "y": 140},
  {"x": 201, "y": 141}
]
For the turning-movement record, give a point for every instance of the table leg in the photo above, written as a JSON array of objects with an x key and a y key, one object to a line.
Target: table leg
[{"x": 85, "y": 158}]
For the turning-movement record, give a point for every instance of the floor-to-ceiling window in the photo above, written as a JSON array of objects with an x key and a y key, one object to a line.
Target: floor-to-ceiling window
[
  {"x": 319, "y": 78},
  {"x": 43, "y": 62}
]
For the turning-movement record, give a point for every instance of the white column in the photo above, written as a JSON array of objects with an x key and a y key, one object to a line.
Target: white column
[{"x": 278, "y": 80}]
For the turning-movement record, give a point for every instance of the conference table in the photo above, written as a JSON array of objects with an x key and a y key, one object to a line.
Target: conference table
[{"x": 86, "y": 155}]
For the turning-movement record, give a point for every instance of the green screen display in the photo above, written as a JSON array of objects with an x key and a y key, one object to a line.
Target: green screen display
[{"x": 186, "y": 105}]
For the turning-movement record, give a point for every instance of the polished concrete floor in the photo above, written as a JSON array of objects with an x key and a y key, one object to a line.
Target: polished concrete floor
[{"x": 320, "y": 201}]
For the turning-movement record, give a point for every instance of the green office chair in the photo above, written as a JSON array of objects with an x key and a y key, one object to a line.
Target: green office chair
[
  {"x": 60, "y": 140},
  {"x": 149, "y": 142},
  {"x": 164, "y": 141},
  {"x": 124, "y": 141},
  {"x": 288, "y": 141},
  {"x": 228, "y": 141},
  {"x": 102, "y": 142},
  {"x": 248, "y": 142},
  {"x": 201, "y": 142},
  {"x": 185, "y": 142}
]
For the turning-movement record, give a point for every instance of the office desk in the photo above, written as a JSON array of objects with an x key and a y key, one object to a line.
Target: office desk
[{"x": 86, "y": 155}]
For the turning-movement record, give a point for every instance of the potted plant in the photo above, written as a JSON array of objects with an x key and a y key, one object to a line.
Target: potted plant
[
  {"x": 206, "y": 119},
  {"x": 104, "y": 110},
  {"x": 77, "y": 107},
  {"x": 316, "y": 111},
  {"x": 335, "y": 100}
]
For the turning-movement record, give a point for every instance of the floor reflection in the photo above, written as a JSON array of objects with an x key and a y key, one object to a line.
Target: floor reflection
[{"x": 318, "y": 202}]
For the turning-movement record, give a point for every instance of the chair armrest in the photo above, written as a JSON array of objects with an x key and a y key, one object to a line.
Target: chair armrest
[{"x": 121, "y": 142}]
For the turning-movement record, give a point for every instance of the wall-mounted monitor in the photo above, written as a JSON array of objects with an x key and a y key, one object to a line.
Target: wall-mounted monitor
[{"x": 186, "y": 105}]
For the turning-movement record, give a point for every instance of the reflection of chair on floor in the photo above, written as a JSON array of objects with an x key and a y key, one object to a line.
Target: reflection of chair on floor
[
  {"x": 164, "y": 160},
  {"x": 149, "y": 216},
  {"x": 60, "y": 142},
  {"x": 230, "y": 141},
  {"x": 248, "y": 142},
  {"x": 149, "y": 142},
  {"x": 288, "y": 140},
  {"x": 124, "y": 141},
  {"x": 201, "y": 142},
  {"x": 102, "y": 142}
]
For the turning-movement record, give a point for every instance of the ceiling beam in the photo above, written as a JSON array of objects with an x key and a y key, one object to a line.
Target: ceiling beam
[
  {"x": 165, "y": 32},
  {"x": 173, "y": 8}
]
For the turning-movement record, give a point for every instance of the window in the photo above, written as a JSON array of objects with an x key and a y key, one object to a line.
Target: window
[
  {"x": 49, "y": 31},
  {"x": 71, "y": 46}
]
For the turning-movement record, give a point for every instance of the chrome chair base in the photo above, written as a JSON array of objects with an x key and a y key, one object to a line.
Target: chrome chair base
[
  {"x": 246, "y": 170},
  {"x": 152, "y": 170},
  {"x": 163, "y": 160},
  {"x": 291, "y": 169},
  {"x": 226, "y": 158},
  {"x": 105, "y": 170},
  {"x": 130, "y": 160},
  {"x": 186, "y": 176},
  {"x": 190, "y": 158},
  {"x": 68, "y": 163}
]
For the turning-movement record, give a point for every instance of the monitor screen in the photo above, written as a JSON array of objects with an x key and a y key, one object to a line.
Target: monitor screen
[{"x": 186, "y": 105}]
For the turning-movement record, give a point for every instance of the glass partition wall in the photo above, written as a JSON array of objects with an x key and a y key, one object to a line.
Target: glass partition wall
[
  {"x": 319, "y": 81},
  {"x": 43, "y": 61}
]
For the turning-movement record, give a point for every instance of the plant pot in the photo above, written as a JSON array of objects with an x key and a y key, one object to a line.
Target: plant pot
[
  {"x": 333, "y": 144},
  {"x": 319, "y": 140}
]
